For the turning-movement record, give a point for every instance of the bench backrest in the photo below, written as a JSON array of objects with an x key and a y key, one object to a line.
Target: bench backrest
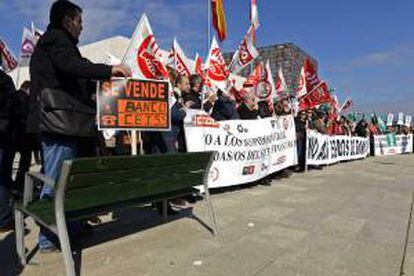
[{"x": 92, "y": 182}]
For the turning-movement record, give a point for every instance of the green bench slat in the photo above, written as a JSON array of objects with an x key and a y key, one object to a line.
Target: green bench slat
[
  {"x": 99, "y": 195},
  {"x": 169, "y": 173},
  {"x": 115, "y": 163},
  {"x": 44, "y": 209}
]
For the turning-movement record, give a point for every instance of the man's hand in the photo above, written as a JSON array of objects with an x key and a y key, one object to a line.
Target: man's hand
[
  {"x": 212, "y": 98},
  {"x": 189, "y": 104},
  {"x": 121, "y": 71}
]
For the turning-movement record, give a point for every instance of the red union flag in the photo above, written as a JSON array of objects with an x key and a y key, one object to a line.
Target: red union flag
[
  {"x": 28, "y": 43},
  {"x": 245, "y": 54},
  {"x": 143, "y": 53},
  {"x": 217, "y": 72},
  {"x": 7, "y": 60},
  {"x": 346, "y": 106},
  {"x": 266, "y": 90},
  {"x": 198, "y": 66},
  {"x": 182, "y": 64},
  {"x": 308, "y": 79},
  {"x": 255, "y": 76},
  {"x": 319, "y": 95},
  {"x": 280, "y": 86}
]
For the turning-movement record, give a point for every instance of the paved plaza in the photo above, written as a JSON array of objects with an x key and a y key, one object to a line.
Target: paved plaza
[{"x": 347, "y": 219}]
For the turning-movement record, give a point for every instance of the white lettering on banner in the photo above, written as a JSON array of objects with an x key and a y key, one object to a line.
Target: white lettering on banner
[
  {"x": 392, "y": 144},
  {"x": 247, "y": 150},
  {"x": 324, "y": 149}
]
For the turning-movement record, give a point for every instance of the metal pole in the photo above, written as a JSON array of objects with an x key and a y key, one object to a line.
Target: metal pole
[
  {"x": 141, "y": 144},
  {"x": 134, "y": 142}
]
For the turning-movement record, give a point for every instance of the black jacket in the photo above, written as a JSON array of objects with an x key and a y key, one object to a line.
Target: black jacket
[
  {"x": 57, "y": 63},
  {"x": 7, "y": 124},
  {"x": 224, "y": 109},
  {"x": 247, "y": 114},
  {"x": 300, "y": 129},
  {"x": 264, "y": 110},
  {"x": 194, "y": 97}
]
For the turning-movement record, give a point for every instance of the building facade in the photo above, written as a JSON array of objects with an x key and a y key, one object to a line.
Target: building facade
[{"x": 287, "y": 56}]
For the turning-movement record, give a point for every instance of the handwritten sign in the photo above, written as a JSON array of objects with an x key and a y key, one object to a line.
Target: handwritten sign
[{"x": 133, "y": 104}]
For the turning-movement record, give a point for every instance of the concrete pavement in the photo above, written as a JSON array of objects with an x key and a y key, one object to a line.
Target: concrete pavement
[{"x": 347, "y": 219}]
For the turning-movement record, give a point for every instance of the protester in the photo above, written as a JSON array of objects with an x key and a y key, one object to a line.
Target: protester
[
  {"x": 6, "y": 150},
  {"x": 62, "y": 78},
  {"x": 192, "y": 99},
  {"x": 224, "y": 108},
  {"x": 25, "y": 143},
  {"x": 318, "y": 122},
  {"x": 301, "y": 125},
  {"x": 248, "y": 109}
]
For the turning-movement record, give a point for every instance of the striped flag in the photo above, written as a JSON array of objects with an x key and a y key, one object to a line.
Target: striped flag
[
  {"x": 7, "y": 59},
  {"x": 254, "y": 14},
  {"x": 183, "y": 66},
  {"x": 219, "y": 18}
]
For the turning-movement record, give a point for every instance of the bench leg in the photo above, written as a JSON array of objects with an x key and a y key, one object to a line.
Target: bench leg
[
  {"x": 19, "y": 232},
  {"x": 165, "y": 210},
  {"x": 65, "y": 247},
  {"x": 210, "y": 211}
]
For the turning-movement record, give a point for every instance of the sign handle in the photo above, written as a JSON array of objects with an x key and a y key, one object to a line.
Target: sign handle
[{"x": 133, "y": 142}]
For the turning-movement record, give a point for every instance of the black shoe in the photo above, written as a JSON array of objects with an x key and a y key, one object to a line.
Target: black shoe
[{"x": 170, "y": 210}]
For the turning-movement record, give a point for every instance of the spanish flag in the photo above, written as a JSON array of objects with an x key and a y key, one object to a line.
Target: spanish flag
[{"x": 219, "y": 18}]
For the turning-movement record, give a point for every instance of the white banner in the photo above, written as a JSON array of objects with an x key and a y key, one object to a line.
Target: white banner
[
  {"x": 325, "y": 149},
  {"x": 247, "y": 150},
  {"x": 392, "y": 144}
]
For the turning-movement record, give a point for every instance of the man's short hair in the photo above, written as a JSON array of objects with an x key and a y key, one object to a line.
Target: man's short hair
[
  {"x": 60, "y": 9},
  {"x": 180, "y": 79},
  {"x": 195, "y": 79}
]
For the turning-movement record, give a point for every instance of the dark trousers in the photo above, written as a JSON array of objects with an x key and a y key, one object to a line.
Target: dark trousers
[
  {"x": 301, "y": 151},
  {"x": 6, "y": 166}
]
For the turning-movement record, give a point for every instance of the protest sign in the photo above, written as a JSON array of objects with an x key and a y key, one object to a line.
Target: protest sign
[
  {"x": 323, "y": 149},
  {"x": 246, "y": 150},
  {"x": 133, "y": 104},
  {"x": 392, "y": 144}
]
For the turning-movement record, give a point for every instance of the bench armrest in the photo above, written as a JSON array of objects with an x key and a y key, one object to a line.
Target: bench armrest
[{"x": 28, "y": 185}]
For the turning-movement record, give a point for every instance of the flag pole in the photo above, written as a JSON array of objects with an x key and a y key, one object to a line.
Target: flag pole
[{"x": 203, "y": 98}]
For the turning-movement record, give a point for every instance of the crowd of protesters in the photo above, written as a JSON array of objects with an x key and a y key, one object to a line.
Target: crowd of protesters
[{"x": 36, "y": 119}]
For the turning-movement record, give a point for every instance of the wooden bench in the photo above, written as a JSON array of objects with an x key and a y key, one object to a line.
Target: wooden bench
[{"x": 91, "y": 186}]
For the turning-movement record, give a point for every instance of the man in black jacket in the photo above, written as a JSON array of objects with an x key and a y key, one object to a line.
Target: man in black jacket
[
  {"x": 6, "y": 150},
  {"x": 301, "y": 126},
  {"x": 59, "y": 71}
]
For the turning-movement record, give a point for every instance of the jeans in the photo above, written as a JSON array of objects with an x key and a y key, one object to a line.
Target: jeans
[
  {"x": 6, "y": 166},
  {"x": 55, "y": 151}
]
